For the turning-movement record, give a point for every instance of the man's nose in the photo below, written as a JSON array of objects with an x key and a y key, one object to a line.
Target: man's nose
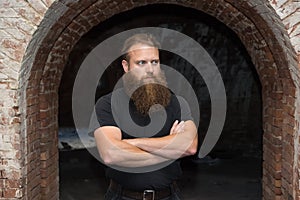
[{"x": 150, "y": 68}]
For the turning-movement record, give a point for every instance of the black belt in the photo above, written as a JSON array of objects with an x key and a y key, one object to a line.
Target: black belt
[{"x": 143, "y": 195}]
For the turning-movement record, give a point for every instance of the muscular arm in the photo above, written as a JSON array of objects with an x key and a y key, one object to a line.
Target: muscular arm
[
  {"x": 114, "y": 151},
  {"x": 172, "y": 146}
]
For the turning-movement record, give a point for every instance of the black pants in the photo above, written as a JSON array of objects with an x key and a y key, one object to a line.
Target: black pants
[{"x": 116, "y": 195}]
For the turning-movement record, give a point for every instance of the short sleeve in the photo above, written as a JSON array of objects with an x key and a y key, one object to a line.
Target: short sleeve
[
  {"x": 104, "y": 112},
  {"x": 185, "y": 111}
]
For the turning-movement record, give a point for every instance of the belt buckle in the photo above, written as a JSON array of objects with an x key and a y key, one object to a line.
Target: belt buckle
[{"x": 146, "y": 192}]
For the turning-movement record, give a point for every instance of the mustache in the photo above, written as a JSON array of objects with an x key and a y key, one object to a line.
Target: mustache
[
  {"x": 131, "y": 82},
  {"x": 149, "y": 76}
]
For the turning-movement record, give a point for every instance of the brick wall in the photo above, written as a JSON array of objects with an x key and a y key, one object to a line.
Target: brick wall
[
  {"x": 18, "y": 22},
  {"x": 289, "y": 13},
  {"x": 36, "y": 38}
]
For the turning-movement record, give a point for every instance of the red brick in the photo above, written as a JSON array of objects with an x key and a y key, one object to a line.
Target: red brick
[
  {"x": 258, "y": 12},
  {"x": 11, "y": 183},
  {"x": 10, "y": 193}
]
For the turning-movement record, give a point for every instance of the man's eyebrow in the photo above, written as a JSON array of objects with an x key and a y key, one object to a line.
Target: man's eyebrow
[{"x": 140, "y": 60}]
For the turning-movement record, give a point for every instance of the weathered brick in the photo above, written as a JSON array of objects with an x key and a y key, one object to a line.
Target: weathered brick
[
  {"x": 10, "y": 193},
  {"x": 30, "y": 14},
  {"x": 38, "y": 6},
  {"x": 13, "y": 183}
]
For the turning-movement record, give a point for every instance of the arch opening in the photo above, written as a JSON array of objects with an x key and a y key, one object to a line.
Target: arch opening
[{"x": 241, "y": 139}]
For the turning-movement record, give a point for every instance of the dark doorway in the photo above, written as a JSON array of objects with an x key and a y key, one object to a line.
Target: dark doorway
[{"x": 233, "y": 168}]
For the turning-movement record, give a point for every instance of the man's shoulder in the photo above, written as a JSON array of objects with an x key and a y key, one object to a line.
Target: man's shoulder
[
  {"x": 177, "y": 100},
  {"x": 116, "y": 93},
  {"x": 104, "y": 100},
  {"x": 112, "y": 96}
]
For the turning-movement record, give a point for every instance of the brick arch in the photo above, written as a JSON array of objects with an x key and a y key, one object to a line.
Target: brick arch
[{"x": 65, "y": 22}]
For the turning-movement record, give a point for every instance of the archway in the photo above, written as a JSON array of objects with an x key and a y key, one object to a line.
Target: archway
[
  {"x": 59, "y": 31},
  {"x": 241, "y": 137}
]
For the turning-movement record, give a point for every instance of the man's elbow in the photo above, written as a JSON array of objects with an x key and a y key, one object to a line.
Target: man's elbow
[
  {"x": 107, "y": 158},
  {"x": 191, "y": 151}
]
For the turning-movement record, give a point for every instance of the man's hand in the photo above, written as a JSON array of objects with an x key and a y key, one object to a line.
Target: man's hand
[{"x": 177, "y": 127}]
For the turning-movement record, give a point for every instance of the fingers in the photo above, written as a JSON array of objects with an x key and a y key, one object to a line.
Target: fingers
[
  {"x": 177, "y": 127},
  {"x": 180, "y": 127},
  {"x": 173, "y": 127}
]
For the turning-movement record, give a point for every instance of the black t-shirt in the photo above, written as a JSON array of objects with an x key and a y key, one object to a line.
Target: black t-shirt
[{"x": 116, "y": 109}]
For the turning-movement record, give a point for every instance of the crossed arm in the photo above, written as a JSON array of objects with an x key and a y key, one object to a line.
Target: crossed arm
[{"x": 139, "y": 152}]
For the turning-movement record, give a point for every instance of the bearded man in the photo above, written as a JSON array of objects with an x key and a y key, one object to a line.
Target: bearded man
[{"x": 144, "y": 128}]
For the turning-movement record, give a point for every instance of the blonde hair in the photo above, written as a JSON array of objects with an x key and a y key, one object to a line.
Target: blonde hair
[{"x": 140, "y": 38}]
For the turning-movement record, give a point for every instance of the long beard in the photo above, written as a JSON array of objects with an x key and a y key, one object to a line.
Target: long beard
[{"x": 154, "y": 95}]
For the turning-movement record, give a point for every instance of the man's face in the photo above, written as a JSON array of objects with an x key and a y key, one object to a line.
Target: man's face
[
  {"x": 143, "y": 62},
  {"x": 144, "y": 81}
]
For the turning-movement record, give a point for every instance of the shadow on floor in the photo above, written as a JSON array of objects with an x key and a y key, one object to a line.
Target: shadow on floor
[{"x": 82, "y": 178}]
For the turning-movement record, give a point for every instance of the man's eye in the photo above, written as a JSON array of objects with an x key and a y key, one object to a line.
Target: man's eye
[
  {"x": 141, "y": 62},
  {"x": 154, "y": 62}
]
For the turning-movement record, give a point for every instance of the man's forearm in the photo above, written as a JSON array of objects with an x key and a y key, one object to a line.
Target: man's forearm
[
  {"x": 131, "y": 156},
  {"x": 171, "y": 146},
  {"x": 114, "y": 151}
]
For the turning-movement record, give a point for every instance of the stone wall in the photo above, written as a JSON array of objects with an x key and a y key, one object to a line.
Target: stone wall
[{"x": 36, "y": 38}]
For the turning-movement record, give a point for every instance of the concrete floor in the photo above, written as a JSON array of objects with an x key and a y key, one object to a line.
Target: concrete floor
[{"x": 239, "y": 178}]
